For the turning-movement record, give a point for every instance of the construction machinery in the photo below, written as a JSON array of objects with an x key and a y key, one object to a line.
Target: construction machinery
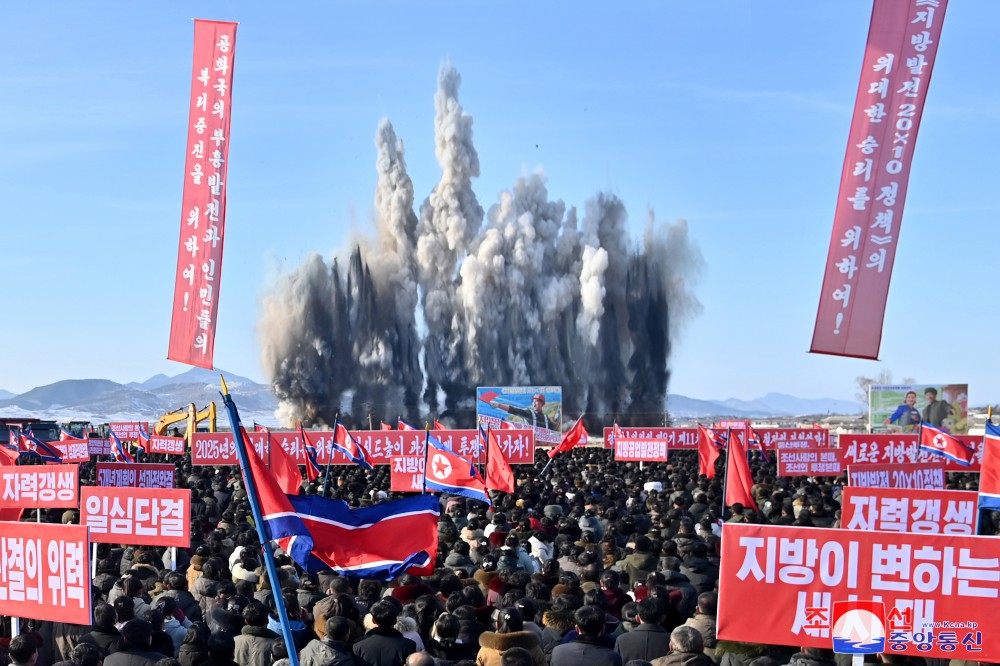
[{"x": 190, "y": 417}]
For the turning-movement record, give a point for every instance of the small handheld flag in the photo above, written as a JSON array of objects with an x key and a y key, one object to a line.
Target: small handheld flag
[
  {"x": 343, "y": 441},
  {"x": 118, "y": 452}
]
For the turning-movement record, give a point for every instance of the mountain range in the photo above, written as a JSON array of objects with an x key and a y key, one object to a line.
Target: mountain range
[{"x": 102, "y": 400}]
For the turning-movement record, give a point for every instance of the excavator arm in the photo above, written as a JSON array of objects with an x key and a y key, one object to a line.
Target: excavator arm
[{"x": 191, "y": 416}]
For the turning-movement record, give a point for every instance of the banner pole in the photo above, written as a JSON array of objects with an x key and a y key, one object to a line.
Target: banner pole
[
  {"x": 258, "y": 519},
  {"x": 15, "y": 627},
  {"x": 329, "y": 455},
  {"x": 93, "y": 562}
]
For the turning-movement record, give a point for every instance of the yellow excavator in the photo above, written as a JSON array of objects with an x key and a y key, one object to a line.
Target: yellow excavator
[{"x": 191, "y": 415}]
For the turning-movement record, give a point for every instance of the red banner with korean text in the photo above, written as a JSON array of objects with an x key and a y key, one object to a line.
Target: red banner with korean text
[
  {"x": 897, "y": 475},
  {"x": 39, "y": 486},
  {"x": 648, "y": 450},
  {"x": 940, "y": 591},
  {"x": 909, "y": 510},
  {"x": 824, "y": 461},
  {"x": 135, "y": 475},
  {"x": 165, "y": 445},
  {"x": 141, "y": 516},
  {"x": 72, "y": 450},
  {"x": 896, "y": 72},
  {"x": 794, "y": 438},
  {"x": 127, "y": 430},
  {"x": 99, "y": 447},
  {"x": 675, "y": 438},
  {"x": 864, "y": 450},
  {"x": 45, "y": 572},
  {"x": 406, "y": 475},
  {"x": 203, "y": 209}
]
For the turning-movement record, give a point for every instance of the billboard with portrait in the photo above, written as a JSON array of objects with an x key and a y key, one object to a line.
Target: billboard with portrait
[
  {"x": 901, "y": 407},
  {"x": 536, "y": 407}
]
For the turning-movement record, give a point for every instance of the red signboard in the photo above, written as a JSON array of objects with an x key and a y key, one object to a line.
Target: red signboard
[
  {"x": 164, "y": 445},
  {"x": 675, "y": 438},
  {"x": 903, "y": 448},
  {"x": 940, "y": 591},
  {"x": 203, "y": 208},
  {"x": 794, "y": 438},
  {"x": 896, "y": 475},
  {"x": 135, "y": 475},
  {"x": 73, "y": 450},
  {"x": 45, "y": 572},
  {"x": 407, "y": 474},
  {"x": 219, "y": 448},
  {"x": 902, "y": 44},
  {"x": 811, "y": 462},
  {"x": 902, "y": 510},
  {"x": 650, "y": 450},
  {"x": 99, "y": 447},
  {"x": 143, "y": 516},
  {"x": 39, "y": 486},
  {"x": 128, "y": 430}
]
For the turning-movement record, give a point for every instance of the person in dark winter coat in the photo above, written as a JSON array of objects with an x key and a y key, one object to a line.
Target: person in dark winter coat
[
  {"x": 444, "y": 643},
  {"x": 84, "y": 654},
  {"x": 811, "y": 656},
  {"x": 558, "y": 621},
  {"x": 253, "y": 645},
  {"x": 194, "y": 649},
  {"x": 383, "y": 645},
  {"x": 175, "y": 585},
  {"x": 137, "y": 635},
  {"x": 686, "y": 649},
  {"x": 221, "y": 648},
  {"x": 649, "y": 640},
  {"x": 587, "y": 648},
  {"x": 104, "y": 635},
  {"x": 701, "y": 573},
  {"x": 640, "y": 563},
  {"x": 334, "y": 650}
]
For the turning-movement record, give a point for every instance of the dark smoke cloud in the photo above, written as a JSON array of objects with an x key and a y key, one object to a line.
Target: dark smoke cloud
[{"x": 523, "y": 294}]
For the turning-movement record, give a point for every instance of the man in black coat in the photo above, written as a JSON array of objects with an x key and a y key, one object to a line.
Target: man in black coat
[
  {"x": 587, "y": 647},
  {"x": 138, "y": 635},
  {"x": 648, "y": 640},
  {"x": 104, "y": 635},
  {"x": 383, "y": 645}
]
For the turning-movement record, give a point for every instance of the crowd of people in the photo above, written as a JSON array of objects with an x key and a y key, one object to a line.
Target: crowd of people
[{"x": 599, "y": 562}]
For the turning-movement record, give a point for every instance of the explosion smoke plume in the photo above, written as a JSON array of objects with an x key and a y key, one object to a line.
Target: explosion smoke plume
[{"x": 523, "y": 295}]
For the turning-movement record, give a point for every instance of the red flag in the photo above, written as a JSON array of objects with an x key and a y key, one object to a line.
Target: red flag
[
  {"x": 499, "y": 475},
  {"x": 934, "y": 440},
  {"x": 708, "y": 453},
  {"x": 8, "y": 457},
  {"x": 438, "y": 426},
  {"x": 739, "y": 480},
  {"x": 385, "y": 426},
  {"x": 285, "y": 470},
  {"x": 571, "y": 438},
  {"x": 312, "y": 470},
  {"x": 402, "y": 425}
]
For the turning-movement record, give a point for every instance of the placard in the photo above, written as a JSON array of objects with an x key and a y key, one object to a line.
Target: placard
[
  {"x": 135, "y": 475},
  {"x": 811, "y": 462},
  {"x": 45, "y": 572},
  {"x": 896, "y": 475},
  {"x": 39, "y": 486},
  {"x": 146, "y": 516},
  {"x": 909, "y": 510},
  {"x": 940, "y": 591}
]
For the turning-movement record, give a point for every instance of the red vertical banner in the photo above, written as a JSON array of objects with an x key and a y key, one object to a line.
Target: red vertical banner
[
  {"x": 203, "y": 213},
  {"x": 902, "y": 43}
]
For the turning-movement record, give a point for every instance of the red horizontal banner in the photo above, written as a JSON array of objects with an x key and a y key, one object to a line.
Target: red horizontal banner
[
  {"x": 135, "y": 475},
  {"x": 794, "y": 438},
  {"x": 940, "y": 591},
  {"x": 897, "y": 475},
  {"x": 675, "y": 438},
  {"x": 144, "y": 516},
  {"x": 39, "y": 486},
  {"x": 72, "y": 450},
  {"x": 164, "y": 445},
  {"x": 902, "y": 510},
  {"x": 45, "y": 572},
  {"x": 219, "y": 448},
  {"x": 811, "y": 462},
  {"x": 127, "y": 430},
  {"x": 903, "y": 448},
  {"x": 99, "y": 447}
]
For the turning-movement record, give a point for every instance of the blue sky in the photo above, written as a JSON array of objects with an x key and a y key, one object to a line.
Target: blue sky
[{"x": 733, "y": 116}]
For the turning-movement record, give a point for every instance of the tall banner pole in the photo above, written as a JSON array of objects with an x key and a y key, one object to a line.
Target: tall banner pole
[{"x": 258, "y": 519}]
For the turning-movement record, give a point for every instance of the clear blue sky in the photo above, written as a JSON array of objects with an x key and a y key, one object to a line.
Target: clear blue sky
[{"x": 733, "y": 116}]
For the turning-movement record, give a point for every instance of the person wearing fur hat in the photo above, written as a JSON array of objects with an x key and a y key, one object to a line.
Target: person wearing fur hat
[
  {"x": 510, "y": 632},
  {"x": 558, "y": 620}
]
